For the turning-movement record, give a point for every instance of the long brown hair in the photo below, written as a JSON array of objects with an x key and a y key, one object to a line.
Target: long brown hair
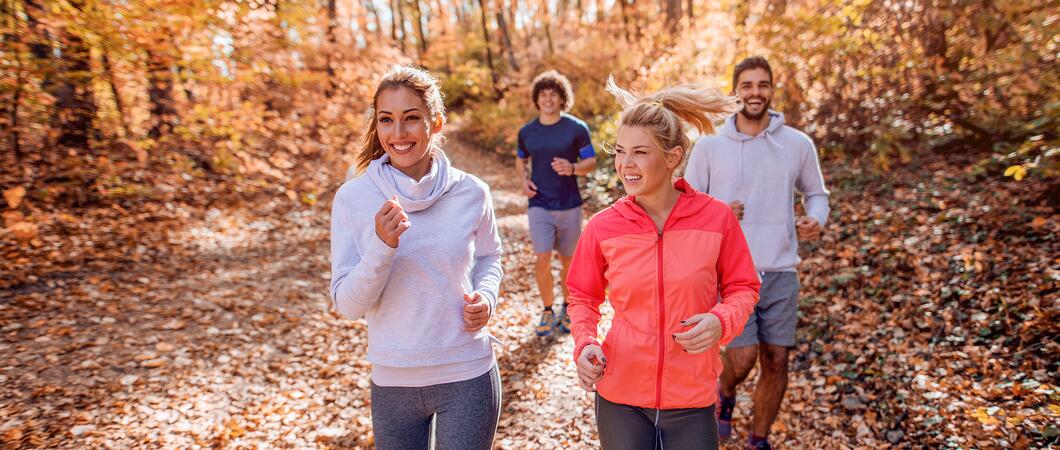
[
  {"x": 423, "y": 83},
  {"x": 664, "y": 113}
]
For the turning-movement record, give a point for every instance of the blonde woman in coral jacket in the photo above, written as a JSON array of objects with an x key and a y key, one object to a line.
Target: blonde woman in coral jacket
[{"x": 662, "y": 255}]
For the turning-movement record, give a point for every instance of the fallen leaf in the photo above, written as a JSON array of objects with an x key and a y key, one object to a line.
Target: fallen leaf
[
  {"x": 175, "y": 324},
  {"x": 14, "y": 196},
  {"x": 24, "y": 230}
]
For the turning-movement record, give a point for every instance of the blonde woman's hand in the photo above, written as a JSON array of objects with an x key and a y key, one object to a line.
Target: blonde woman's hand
[
  {"x": 591, "y": 364},
  {"x": 390, "y": 222},
  {"x": 704, "y": 334},
  {"x": 476, "y": 312}
]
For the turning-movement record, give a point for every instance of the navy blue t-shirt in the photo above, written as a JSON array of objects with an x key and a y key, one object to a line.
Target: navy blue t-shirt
[{"x": 568, "y": 138}]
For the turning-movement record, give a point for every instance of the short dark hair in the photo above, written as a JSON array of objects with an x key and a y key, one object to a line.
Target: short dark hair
[
  {"x": 751, "y": 62},
  {"x": 557, "y": 82}
]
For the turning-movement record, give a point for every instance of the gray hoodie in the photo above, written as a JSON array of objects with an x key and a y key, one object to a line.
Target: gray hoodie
[
  {"x": 763, "y": 172},
  {"x": 412, "y": 296}
]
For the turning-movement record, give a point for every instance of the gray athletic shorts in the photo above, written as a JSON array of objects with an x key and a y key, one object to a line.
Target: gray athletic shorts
[
  {"x": 775, "y": 317},
  {"x": 555, "y": 230}
]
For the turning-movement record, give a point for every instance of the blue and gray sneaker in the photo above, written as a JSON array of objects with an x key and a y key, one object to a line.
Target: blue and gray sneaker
[
  {"x": 547, "y": 323},
  {"x": 563, "y": 324}
]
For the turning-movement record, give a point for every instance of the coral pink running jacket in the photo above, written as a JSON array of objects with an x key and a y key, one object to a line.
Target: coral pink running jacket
[{"x": 655, "y": 280}]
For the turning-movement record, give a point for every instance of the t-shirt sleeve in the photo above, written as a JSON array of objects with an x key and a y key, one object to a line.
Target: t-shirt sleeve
[
  {"x": 584, "y": 142},
  {"x": 521, "y": 150}
]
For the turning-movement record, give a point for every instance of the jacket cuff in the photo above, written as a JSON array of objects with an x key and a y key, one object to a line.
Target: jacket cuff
[
  {"x": 724, "y": 329},
  {"x": 581, "y": 346}
]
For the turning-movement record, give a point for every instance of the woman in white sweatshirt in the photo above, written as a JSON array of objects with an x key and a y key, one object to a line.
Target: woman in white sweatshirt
[{"x": 415, "y": 250}]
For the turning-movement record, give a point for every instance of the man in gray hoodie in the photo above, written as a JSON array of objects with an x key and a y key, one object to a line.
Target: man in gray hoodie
[{"x": 756, "y": 164}]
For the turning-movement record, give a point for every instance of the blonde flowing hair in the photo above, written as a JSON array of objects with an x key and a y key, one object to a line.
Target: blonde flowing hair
[
  {"x": 665, "y": 112},
  {"x": 424, "y": 84}
]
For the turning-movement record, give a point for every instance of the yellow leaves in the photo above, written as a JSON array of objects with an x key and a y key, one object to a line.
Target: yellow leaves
[
  {"x": 1017, "y": 172},
  {"x": 984, "y": 417}
]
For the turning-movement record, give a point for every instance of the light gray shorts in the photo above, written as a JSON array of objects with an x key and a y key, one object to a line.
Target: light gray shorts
[
  {"x": 775, "y": 317},
  {"x": 555, "y": 230}
]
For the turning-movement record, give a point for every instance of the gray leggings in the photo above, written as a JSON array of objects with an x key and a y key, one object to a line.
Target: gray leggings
[
  {"x": 467, "y": 414},
  {"x": 624, "y": 427}
]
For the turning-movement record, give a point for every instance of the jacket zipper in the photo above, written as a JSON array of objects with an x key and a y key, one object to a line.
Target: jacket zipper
[{"x": 662, "y": 323}]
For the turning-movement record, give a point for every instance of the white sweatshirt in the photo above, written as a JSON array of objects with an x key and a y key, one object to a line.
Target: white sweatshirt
[{"x": 413, "y": 296}]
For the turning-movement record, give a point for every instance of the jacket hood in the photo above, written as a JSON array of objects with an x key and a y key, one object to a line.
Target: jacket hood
[
  {"x": 431, "y": 187},
  {"x": 689, "y": 202},
  {"x": 776, "y": 122}
]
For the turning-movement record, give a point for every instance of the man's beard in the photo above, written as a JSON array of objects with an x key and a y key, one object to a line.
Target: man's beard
[{"x": 765, "y": 109}]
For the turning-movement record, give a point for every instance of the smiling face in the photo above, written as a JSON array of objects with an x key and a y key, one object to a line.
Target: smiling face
[
  {"x": 405, "y": 128},
  {"x": 755, "y": 88},
  {"x": 549, "y": 102},
  {"x": 641, "y": 165}
]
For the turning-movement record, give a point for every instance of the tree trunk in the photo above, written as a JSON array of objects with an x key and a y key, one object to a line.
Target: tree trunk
[
  {"x": 16, "y": 101},
  {"x": 119, "y": 105},
  {"x": 489, "y": 50},
  {"x": 673, "y": 14},
  {"x": 160, "y": 91},
  {"x": 332, "y": 47},
  {"x": 421, "y": 36},
  {"x": 40, "y": 40},
  {"x": 74, "y": 100},
  {"x": 374, "y": 11},
  {"x": 401, "y": 22},
  {"x": 623, "y": 4},
  {"x": 548, "y": 37},
  {"x": 505, "y": 34},
  {"x": 393, "y": 20}
]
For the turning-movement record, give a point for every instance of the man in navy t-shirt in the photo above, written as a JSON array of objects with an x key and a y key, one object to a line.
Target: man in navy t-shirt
[{"x": 559, "y": 149}]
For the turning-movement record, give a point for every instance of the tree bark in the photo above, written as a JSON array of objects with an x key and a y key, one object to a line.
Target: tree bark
[
  {"x": 16, "y": 101},
  {"x": 393, "y": 19},
  {"x": 75, "y": 102},
  {"x": 160, "y": 91},
  {"x": 374, "y": 11},
  {"x": 332, "y": 16},
  {"x": 401, "y": 22},
  {"x": 506, "y": 35},
  {"x": 673, "y": 14},
  {"x": 119, "y": 105},
  {"x": 489, "y": 50},
  {"x": 421, "y": 36},
  {"x": 624, "y": 6}
]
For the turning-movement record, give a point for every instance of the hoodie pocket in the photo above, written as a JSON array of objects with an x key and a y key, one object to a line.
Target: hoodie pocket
[{"x": 769, "y": 242}]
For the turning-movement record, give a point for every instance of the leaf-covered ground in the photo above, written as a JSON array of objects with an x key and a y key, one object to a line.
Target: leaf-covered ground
[{"x": 928, "y": 318}]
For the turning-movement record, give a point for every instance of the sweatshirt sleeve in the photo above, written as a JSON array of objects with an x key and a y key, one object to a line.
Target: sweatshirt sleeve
[
  {"x": 486, "y": 269},
  {"x": 697, "y": 171},
  {"x": 587, "y": 286},
  {"x": 810, "y": 184},
  {"x": 357, "y": 274},
  {"x": 738, "y": 279}
]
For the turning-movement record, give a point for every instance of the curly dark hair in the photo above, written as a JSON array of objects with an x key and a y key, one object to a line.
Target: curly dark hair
[{"x": 557, "y": 82}]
